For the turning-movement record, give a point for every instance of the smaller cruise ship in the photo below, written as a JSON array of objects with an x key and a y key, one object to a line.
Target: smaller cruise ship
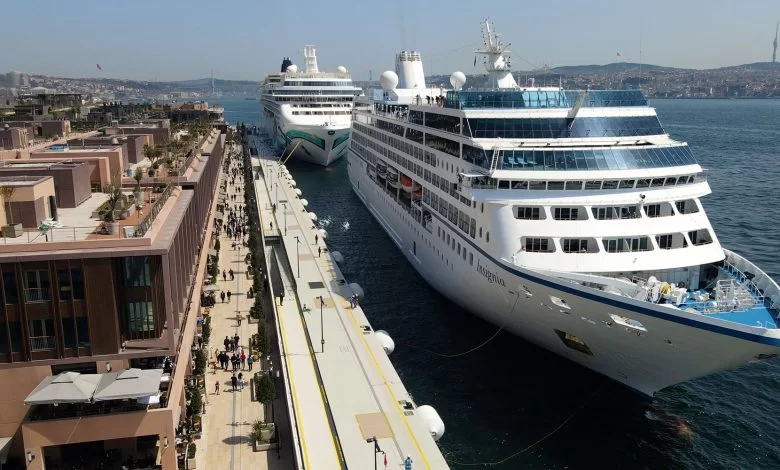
[{"x": 308, "y": 114}]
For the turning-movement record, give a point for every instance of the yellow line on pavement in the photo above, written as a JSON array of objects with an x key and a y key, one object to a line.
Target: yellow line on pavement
[
  {"x": 295, "y": 393},
  {"x": 387, "y": 385}
]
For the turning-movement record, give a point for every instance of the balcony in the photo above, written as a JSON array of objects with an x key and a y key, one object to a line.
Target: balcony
[
  {"x": 37, "y": 294},
  {"x": 42, "y": 343}
]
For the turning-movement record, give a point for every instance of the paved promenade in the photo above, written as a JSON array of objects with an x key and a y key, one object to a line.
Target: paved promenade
[
  {"x": 225, "y": 444},
  {"x": 345, "y": 390}
]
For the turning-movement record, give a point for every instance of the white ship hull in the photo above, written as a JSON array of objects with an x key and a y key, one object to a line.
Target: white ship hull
[
  {"x": 523, "y": 302},
  {"x": 317, "y": 144}
]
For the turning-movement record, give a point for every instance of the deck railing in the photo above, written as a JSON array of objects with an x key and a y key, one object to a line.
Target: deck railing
[{"x": 42, "y": 343}]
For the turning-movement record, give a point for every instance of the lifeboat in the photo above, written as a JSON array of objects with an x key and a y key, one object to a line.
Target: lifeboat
[
  {"x": 381, "y": 167},
  {"x": 408, "y": 185},
  {"x": 392, "y": 176},
  {"x": 417, "y": 194}
]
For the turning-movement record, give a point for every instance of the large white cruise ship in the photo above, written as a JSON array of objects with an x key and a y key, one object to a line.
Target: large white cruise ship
[
  {"x": 307, "y": 114},
  {"x": 570, "y": 218}
]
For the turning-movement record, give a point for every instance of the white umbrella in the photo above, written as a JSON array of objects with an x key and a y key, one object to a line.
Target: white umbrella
[
  {"x": 67, "y": 387},
  {"x": 211, "y": 288},
  {"x": 293, "y": 183},
  {"x": 298, "y": 192},
  {"x": 313, "y": 216},
  {"x": 128, "y": 383},
  {"x": 304, "y": 202}
]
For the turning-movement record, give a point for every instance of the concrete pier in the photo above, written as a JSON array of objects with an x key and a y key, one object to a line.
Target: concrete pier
[{"x": 343, "y": 389}]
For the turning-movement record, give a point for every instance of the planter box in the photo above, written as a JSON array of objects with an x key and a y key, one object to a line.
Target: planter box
[
  {"x": 191, "y": 465},
  {"x": 263, "y": 447},
  {"x": 13, "y": 231}
]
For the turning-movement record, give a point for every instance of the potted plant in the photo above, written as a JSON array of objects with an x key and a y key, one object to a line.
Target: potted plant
[
  {"x": 191, "y": 449},
  {"x": 116, "y": 201},
  {"x": 137, "y": 176},
  {"x": 10, "y": 230}
]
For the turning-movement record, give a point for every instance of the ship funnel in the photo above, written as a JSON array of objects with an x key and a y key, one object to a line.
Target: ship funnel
[
  {"x": 409, "y": 68},
  {"x": 311, "y": 59}
]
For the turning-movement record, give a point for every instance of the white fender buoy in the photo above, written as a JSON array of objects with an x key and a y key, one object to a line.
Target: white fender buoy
[
  {"x": 304, "y": 202},
  {"x": 298, "y": 192},
  {"x": 313, "y": 216},
  {"x": 432, "y": 419},
  {"x": 337, "y": 256},
  {"x": 386, "y": 341},
  {"x": 293, "y": 183},
  {"x": 323, "y": 234},
  {"x": 357, "y": 290}
]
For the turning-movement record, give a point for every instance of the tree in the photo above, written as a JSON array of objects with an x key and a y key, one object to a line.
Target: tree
[
  {"x": 7, "y": 192},
  {"x": 265, "y": 392},
  {"x": 116, "y": 200},
  {"x": 138, "y": 176},
  {"x": 200, "y": 362}
]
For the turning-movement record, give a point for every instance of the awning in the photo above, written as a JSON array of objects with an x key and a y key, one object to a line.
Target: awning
[
  {"x": 5, "y": 446},
  {"x": 67, "y": 387},
  {"x": 219, "y": 216},
  {"x": 129, "y": 383},
  {"x": 211, "y": 288},
  {"x": 213, "y": 252}
]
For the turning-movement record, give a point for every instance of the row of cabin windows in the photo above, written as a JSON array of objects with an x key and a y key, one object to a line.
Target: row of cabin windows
[
  {"x": 617, "y": 245},
  {"x": 595, "y": 185},
  {"x": 608, "y": 212}
]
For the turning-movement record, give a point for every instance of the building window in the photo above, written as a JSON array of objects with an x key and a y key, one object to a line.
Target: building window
[
  {"x": 69, "y": 332},
  {"x": 71, "y": 284},
  {"x": 565, "y": 213},
  {"x": 537, "y": 245},
  {"x": 42, "y": 336},
  {"x": 136, "y": 271},
  {"x": 9, "y": 285},
  {"x": 574, "y": 245},
  {"x": 36, "y": 286},
  {"x": 4, "y": 344},
  {"x": 82, "y": 330},
  {"x": 15, "y": 330},
  {"x": 138, "y": 318},
  {"x": 574, "y": 342},
  {"x": 528, "y": 213}
]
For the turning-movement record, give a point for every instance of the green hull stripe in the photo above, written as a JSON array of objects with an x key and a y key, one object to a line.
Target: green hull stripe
[
  {"x": 294, "y": 134},
  {"x": 340, "y": 139}
]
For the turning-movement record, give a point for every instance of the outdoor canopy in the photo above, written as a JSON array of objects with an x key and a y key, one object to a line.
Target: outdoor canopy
[
  {"x": 211, "y": 288},
  {"x": 129, "y": 383},
  {"x": 67, "y": 387}
]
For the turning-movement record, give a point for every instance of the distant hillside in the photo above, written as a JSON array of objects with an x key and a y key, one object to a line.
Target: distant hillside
[
  {"x": 762, "y": 66},
  {"x": 615, "y": 67}
]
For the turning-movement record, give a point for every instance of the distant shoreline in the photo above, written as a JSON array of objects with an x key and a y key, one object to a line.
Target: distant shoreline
[{"x": 713, "y": 98}]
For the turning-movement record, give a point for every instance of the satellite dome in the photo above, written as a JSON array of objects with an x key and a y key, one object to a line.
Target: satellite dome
[
  {"x": 341, "y": 69},
  {"x": 388, "y": 80},
  {"x": 457, "y": 79},
  {"x": 292, "y": 68}
]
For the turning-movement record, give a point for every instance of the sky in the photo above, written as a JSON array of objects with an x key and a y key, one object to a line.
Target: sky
[{"x": 246, "y": 39}]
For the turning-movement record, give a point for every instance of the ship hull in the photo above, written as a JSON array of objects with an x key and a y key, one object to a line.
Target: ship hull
[
  {"x": 316, "y": 144},
  {"x": 550, "y": 313}
]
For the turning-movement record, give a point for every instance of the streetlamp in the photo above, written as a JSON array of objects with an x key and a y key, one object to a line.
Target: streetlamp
[
  {"x": 298, "y": 254},
  {"x": 322, "y": 325},
  {"x": 377, "y": 450}
]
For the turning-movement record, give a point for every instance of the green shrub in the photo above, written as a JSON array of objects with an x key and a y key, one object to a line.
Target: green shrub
[
  {"x": 265, "y": 392},
  {"x": 191, "y": 450},
  {"x": 200, "y": 362}
]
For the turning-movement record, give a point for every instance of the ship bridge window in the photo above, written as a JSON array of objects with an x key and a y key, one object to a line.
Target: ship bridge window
[
  {"x": 615, "y": 212},
  {"x": 475, "y": 156},
  {"x": 538, "y": 245},
  {"x": 555, "y": 185},
  {"x": 538, "y": 185},
  {"x": 443, "y": 122},
  {"x": 626, "y": 245},
  {"x": 529, "y": 213},
  {"x": 443, "y": 145},
  {"x": 569, "y": 213},
  {"x": 670, "y": 241},
  {"x": 579, "y": 245},
  {"x": 658, "y": 210},
  {"x": 700, "y": 237},
  {"x": 591, "y": 185},
  {"x": 573, "y": 185},
  {"x": 687, "y": 207}
]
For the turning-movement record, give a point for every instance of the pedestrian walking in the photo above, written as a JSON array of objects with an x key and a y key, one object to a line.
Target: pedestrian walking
[
  {"x": 281, "y": 297},
  {"x": 316, "y": 238},
  {"x": 319, "y": 252},
  {"x": 224, "y": 275},
  {"x": 235, "y": 340},
  {"x": 240, "y": 381},
  {"x": 234, "y": 362},
  {"x": 226, "y": 343},
  {"x": 232, "y": 274},
  {"x": 249, "y": 361},
  {"x": 234, "y": 382},
  {"x": 243, "y": 359},
  {"x": 222, "y": 296},
  {"x": 228, "y": 295},
  {"x": 216, "y": 388},
  {"x": 272, "y": 225}
]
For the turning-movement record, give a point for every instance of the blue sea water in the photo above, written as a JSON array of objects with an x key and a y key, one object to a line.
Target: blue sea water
[{"x": 500, "y": 402}]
